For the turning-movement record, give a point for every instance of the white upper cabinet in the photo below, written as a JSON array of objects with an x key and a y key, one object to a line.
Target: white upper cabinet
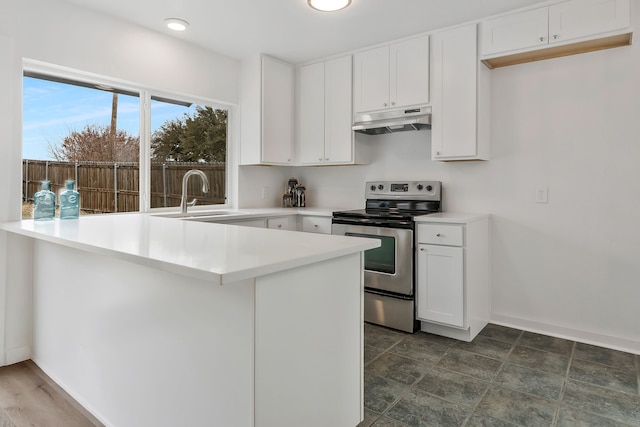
[
  {"x": 517, "y": 31},
  {"x": 325, "y": 114},
  {"x": 460, "y": 98},
  {"x": 392, "y": 76},
  {"x": 583, "y": 18},
  {"x": 409, "y": 72},
  {"x": 553, "y": 30},
  {"x": 310, "y": 143},
  {"x": 371, "y": 80},
  {"x": 267, "y": 97}
]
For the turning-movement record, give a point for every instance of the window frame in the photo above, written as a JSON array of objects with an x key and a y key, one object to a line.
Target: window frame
[{"x": 145, "y": 94}]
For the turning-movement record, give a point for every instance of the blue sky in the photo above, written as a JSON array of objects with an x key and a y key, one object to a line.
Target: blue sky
[{"x": 53, "y": 110}]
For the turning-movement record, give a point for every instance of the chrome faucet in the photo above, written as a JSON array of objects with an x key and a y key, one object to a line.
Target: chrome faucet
[{"x": 185, "y": 180}]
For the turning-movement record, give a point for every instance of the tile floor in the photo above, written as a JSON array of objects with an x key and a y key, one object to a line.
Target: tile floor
[{"x": 505, "y": 377}]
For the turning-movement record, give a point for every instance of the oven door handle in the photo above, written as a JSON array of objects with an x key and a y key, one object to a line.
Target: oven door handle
[{"x": 373, "y": 223}]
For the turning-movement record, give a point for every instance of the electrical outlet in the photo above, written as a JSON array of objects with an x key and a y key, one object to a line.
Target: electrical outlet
[{"x": 542, "y": 195}]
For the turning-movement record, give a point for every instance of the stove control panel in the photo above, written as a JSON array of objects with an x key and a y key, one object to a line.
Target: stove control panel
[{"x": 411, "y": 190}]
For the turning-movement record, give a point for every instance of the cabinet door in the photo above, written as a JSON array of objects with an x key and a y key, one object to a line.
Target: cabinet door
[
  {"x": 338, "y": 116},
  {"x": 440, "y": 289},
  {"x": 277, "y": 111},
  {"x": 582, "y": 18},
  {"x": 371, "y": 80},
  {"x": 409, "y": 72},
  {"x": 516, "y": 31},
  {"x": 311, "y": 134},
  {"x": 454, "y": 126}
]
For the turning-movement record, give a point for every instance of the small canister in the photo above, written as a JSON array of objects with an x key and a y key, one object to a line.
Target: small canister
[
  {"x": 291, "y": 186},
  {"x": 300, "y": 197}
]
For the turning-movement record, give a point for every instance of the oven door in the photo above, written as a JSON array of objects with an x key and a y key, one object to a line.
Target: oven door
[{"x": 388, "y": 268}]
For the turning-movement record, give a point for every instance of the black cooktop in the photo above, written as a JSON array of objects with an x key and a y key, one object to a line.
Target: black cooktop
[{"x": 392, "y": 209}]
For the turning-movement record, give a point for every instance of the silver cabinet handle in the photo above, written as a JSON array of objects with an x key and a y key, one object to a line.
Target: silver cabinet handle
[
  {"x": 421, "y": 249},
  {"x": 279, "y": 225},
  {"x": 393, "y": 103},
  {"x": 438, "y": 234},
  {"x": 320, "y": 159},
  {"x": 315, "y": 225},
  {"x": 384, "y": 104},
  {"x": 541, "y": 39},
  {"x": 555, "y": 37},
  {"x": 437, "y": 153}
]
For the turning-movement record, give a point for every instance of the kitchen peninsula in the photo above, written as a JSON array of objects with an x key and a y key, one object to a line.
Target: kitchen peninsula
[{"x": 159, "y": 321}]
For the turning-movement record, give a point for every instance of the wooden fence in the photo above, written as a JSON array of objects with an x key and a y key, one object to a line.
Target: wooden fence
[{"x": 114, "y": 187}]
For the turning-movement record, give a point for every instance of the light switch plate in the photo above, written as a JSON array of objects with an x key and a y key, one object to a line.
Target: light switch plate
[{"x": 542, "y": 195}]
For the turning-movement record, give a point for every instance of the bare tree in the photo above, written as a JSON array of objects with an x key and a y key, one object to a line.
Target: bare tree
[{"x": 97, "y": 143}]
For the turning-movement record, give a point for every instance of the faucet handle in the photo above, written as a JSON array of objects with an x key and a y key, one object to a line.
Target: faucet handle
[{"x": 192, "y": 203}]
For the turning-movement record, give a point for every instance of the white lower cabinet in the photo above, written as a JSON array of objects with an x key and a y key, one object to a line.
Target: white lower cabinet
[
  {"x": 307, "y": 223},
  {"x": 441, "y": 284},
  {"x": 259, "y": 223},
  {"x": 316, "y": 224},
  {"x": 452, "y": 290},
  {"x": 282, "y": 223}
]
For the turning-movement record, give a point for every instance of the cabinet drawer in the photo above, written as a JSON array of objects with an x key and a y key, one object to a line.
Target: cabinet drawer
[
  {"x": 314, "y": 224},
  {"x": 440, "y": 234},
  {"x": 281, "y": 223}
]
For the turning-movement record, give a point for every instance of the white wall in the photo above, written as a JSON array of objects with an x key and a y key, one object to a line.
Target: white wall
[
  {"x": 95, "y": 44},
  {"x": 567, "y": 268}
]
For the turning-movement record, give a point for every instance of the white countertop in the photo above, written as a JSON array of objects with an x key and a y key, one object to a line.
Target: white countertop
[
  {"x": 238, "y": 214},
  {"x": 451, "y": 217},
  {"x": 219, "y": 253}
]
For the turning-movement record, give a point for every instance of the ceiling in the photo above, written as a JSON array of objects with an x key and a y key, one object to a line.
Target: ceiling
[{"x": 292, "y": 31}]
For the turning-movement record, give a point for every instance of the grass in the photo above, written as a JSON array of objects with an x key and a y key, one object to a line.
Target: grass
[{"x": 27, "y": 210}]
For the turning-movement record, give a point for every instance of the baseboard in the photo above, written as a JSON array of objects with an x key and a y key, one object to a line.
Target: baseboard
[
  {"x": 601, "y": 340},
  {"x": 75, "y": 400},
  {"x": 19, "y": 354}
]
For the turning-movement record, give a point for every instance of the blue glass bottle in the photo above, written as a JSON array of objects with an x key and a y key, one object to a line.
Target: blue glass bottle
[
  {"x": 44, "y": 202},
  {"x": 69, "y": 201}
]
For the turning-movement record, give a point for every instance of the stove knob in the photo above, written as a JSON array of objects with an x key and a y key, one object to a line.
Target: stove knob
[
  {"x": 429, "y": 188},
  {"x": 420, "y": 186},
  {"x": 380, "y": 187},
  {"x": 373, "y": 188}
]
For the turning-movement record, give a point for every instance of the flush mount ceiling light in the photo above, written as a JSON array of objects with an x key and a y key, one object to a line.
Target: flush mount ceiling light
[
  {"x": 176, "y": 24},
  {"x": 328, "y": 5}
]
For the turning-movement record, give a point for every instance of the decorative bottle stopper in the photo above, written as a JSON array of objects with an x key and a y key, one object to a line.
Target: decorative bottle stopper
[
  {"x": 44, "y": 202},
  {"x": 69, "y": 201}
]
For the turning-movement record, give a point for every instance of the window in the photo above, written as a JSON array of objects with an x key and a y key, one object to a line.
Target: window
[{"x": 123, "y": 157}]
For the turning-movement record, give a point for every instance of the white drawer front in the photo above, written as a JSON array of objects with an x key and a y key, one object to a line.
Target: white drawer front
[
  {"x": 440, "y": 234},
  {"x": 279, "y": 223},
  {"x": 314, "y": 224}
]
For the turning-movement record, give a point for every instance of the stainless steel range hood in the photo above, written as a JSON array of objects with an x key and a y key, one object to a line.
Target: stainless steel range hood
[{"x": 393, "y": 121}]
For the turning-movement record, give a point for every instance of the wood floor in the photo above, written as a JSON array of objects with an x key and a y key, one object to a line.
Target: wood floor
[{"x": 29, "y": 398}]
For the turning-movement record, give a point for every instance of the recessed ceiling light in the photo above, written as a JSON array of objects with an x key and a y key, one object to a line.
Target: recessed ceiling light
[
  {"x": 328, "y": 5},
  {"x": 176, "y": 24}
]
